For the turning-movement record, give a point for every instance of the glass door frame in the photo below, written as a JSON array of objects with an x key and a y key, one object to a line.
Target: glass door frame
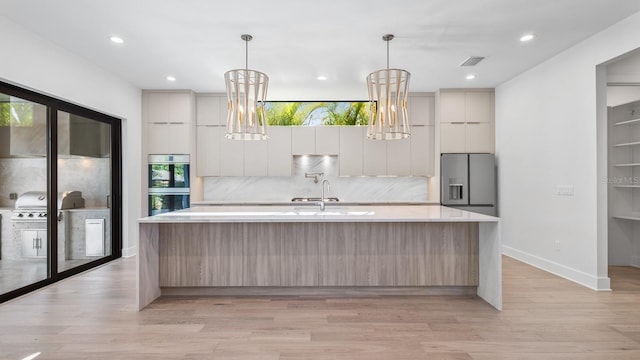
[{"x": 53, "y": 106}]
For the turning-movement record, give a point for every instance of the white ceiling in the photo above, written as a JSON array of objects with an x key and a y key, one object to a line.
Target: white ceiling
[{"x": 295, "y": 41}]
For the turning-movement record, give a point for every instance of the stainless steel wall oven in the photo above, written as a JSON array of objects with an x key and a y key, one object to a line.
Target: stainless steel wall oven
[{"x": 169, "y": 182}]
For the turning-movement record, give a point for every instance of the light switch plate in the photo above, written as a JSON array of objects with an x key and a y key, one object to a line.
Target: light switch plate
[{"x": 564, "y": 190}]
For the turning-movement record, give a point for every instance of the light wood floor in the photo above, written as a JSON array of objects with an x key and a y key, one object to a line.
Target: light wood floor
[{"x": 93, "y": 316}]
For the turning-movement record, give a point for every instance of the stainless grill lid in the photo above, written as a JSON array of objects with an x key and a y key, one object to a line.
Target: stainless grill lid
[
  {"x": 32, "y": 200},
  {"x": 38, "y": 200}
]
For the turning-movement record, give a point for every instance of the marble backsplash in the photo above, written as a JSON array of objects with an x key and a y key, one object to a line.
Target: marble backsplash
[
  {"x": 362, "y": 189},
  {"x": 88, "y": 175}
]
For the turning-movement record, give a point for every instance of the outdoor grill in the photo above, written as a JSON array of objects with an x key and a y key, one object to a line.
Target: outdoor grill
[{"x": 32, "y": 205}]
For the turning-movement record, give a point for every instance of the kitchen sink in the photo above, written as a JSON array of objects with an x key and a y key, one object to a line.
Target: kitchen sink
[{"x": 314, "y": 199}]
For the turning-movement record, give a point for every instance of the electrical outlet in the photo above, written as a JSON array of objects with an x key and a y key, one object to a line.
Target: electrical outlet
[
  {"x": 13, "y": 196},
  {"x": 557, "y": 245},
  {"x": 564, "y": 190}
]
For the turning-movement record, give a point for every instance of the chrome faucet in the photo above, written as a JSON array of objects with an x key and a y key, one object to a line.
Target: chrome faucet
[
  {"x": 322, "y": 197},
  {"x": 314, "y": 176}
]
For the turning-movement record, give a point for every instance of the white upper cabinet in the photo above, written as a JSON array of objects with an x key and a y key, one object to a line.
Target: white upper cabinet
[
  {"x": 279, "y": 151},
  {"x": 399, "y": 155},
  {"x": 169, "y": 117},
  {"x": 350, "y": 156},
  {"x": 375, "y": 157},
  {"x": 208, "y": 149},
  {"x": 478, "y": 107},
  {"x": 422, "y": 151},
  {"x": 231, "y": 157},
  {"x": 181, "y": 108},
  {"x": 466, "y": 121},
  {"x": 452, "y": 107},
  {"x": 421, "y": 109},
  {"x": 211, "y": 110},
  {"x": 256, "y": 158},
  {"x": 315, "y": 140},
  {"x": 303, "y": 140},
  {"x": 327, "y": 140},
  {"x": 357, "y": 156}
]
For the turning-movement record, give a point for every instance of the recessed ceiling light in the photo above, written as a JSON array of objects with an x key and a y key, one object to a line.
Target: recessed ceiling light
[
  {"x": 171, "y": 78},
  {"x": 116, "y": 39},
  {"x": 321, "y": 78},
  {"x": 470, "y": 77},
  {"x": 527, "y": 37}
]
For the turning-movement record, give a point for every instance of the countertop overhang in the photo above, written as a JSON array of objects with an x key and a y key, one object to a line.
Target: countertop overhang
[{"x": 306, "y": 213}]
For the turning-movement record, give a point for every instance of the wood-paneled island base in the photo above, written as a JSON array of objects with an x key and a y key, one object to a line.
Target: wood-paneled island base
[{"x": 283, "y": 250}]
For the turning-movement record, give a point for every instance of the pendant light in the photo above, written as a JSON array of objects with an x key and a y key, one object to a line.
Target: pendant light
[
  {"x": 246, "y": 94},
  {"x": 388, "y": 91}
]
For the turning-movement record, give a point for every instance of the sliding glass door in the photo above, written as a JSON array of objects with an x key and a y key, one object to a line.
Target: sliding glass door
[
  {"x": 60, "y": 190},
  {"x": 84, "y": 186},
  {"x": 23, "y": 182}
]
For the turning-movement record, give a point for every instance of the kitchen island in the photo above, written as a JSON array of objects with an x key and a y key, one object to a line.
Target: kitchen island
[{"x": 300, "y": 250}]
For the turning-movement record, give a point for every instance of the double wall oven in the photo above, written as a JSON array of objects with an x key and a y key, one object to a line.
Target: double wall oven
[{"x": 168, "y": 183}]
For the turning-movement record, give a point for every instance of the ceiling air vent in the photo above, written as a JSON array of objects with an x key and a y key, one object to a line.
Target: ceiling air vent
[{"x": 472, "y": 61}]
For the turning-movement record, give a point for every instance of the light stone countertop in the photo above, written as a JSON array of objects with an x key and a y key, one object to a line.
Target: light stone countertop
[
  {"x": 307, "y": 203},
  {"x": 332, "y": 213}
]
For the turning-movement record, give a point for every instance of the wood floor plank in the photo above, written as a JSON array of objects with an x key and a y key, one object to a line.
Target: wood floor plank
[{"x": 93, "y": 316}]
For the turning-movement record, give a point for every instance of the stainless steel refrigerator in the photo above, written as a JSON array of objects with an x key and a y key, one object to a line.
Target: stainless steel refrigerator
[{"x": 468, "y": 182}]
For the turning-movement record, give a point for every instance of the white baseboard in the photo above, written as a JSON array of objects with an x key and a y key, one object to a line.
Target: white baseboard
[
  {"x": 577, "y": 276},
  {"x": 635, "y": 261},
  {"x": 129, "y": 252}
]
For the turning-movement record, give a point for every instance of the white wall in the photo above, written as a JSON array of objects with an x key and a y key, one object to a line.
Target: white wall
[
  {"x": 618, "y": 95},
  {"x": 549, "y": 133},
  {"x": 30, "y": 61}
]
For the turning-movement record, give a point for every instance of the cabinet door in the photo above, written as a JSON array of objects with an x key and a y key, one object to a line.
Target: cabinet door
[
  {"x": 279, "y": 149},
  {"x": 209, "y": 110},
  {"x": 208, "y": 144},
  {"x": 479, "y": 138},
  {"x": 42, "y": 243},
  {"x": 179, "y": 138},
  {"x": 452, "y": 138},
  {"x": 303, "y": 140},
  {"x": 327, "y": 140},
  {"x": 421, "y": 109},
  {"x": 158, "y": 107},
  {"x": 422, "y": 151},
  {"x": 231, "y": 157},
  {"x": 180, "y": 108},
  {"x": 375, "y": 157},
  {"x": 399, "y": 156},
  {"x": 34, "y": 243},
  {"x": 351, "y": 150},
  {"x": 478, "y": 107},
  {"x": 452, "y": 107},
  {"x": 256, "y": 158},
  {"x": 158, "y": 138}
]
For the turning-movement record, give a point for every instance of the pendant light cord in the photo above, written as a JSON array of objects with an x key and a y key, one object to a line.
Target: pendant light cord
[
  {"x": 387, "y": 38},
  {"x": 387, "y": 54},
  {"x": 246, "y": 38}
]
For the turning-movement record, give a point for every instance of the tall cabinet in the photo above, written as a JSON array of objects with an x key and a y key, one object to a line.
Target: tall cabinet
[
  {"x": 169, "y": 119},
  {"x": 168, "y": 128},
  {"x": 466, "y": 120},
  {"x": 624, "y": 184}
]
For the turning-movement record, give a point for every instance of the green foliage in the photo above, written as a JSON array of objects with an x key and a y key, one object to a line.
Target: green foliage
[
  {"x": 290, "y": 113},
  {"x": 355, "y": 114},
  {"x": 317, "y": 113},
  {"x": 16, "y": 114}
]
